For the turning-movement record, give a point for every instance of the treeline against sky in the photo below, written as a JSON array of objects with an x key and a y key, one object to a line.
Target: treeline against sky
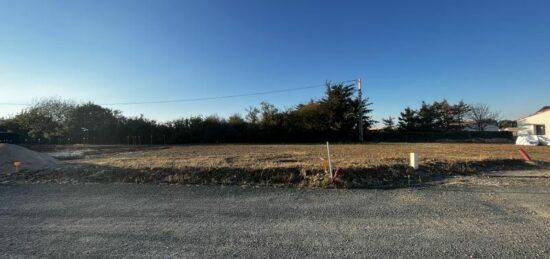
[{"x": 334, "y": 117}]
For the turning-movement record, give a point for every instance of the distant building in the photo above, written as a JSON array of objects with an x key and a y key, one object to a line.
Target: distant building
[
  {"x": 471, "y": 126},
  {"x": 535, "y": 124}
]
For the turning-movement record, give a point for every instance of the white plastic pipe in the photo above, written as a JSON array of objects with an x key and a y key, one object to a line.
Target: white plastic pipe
[{"x": 414, "y": 160}]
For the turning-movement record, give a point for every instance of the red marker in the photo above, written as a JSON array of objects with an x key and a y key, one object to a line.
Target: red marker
[{"x": 524, "y": 155}]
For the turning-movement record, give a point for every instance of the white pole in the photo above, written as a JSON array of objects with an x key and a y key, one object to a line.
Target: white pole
[
  {"x": 414, "y": 161},
  {"x": 329, "y": 161}
]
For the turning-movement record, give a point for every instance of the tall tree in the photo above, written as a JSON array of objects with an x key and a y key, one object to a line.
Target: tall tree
[
  {"x": 252, "y": 115},
  {"x": 91, "y": 123},
  {"x": 481, "y": 116},
  {"x": 427, "y": 117},
  {"x": 340, "y": 110},
  {"x": 408, "y": 120},
  {"x": 388, "y": 123},
  {"x": 443, "y": 116},
  {"x": 268, "y": 115},
  {"x": 308, "y": 116},
  {"x": 45, "y": 120},
  {"x": 459, "y": 112}
]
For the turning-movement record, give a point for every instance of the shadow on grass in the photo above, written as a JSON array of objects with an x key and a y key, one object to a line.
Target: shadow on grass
[{"x": 383, "y": 177}]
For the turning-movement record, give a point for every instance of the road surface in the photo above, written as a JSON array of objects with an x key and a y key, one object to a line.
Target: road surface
[{"x": 130, "y": 220}]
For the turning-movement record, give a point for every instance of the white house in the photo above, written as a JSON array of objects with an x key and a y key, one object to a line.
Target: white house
[
  {"x": 535, "y": 127},
  {"x": 536, "y": 123}
]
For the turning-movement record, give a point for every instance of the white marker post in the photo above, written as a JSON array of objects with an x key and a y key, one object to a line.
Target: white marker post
[
  {"x": 329, "y": 161},
  {"x": 414, "y": 161}
]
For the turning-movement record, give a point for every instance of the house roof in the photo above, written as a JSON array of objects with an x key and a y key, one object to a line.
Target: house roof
[{"x": 543, "y": 109}]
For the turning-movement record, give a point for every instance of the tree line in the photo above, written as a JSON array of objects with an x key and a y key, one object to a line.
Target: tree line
[
  {"x": 442, "y": 116},
  {"x": 334, "y": 117}
]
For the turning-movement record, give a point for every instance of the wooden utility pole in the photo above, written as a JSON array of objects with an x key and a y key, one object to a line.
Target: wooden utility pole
[{"x": 360, "y": 97}]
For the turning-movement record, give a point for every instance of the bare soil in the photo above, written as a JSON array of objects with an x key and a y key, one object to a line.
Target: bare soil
[{"x": 368, "y": 165}]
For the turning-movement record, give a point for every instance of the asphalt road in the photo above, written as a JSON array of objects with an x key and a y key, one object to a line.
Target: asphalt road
[{"x": 129, "y": 220}]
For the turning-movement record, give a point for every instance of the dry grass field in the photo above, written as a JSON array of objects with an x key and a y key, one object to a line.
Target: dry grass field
[
  {"x": 367, "y": 165},
  {"x": 308, "y": 156}
]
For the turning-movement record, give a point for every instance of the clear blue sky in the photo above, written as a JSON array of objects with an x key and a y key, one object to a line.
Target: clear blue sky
[{"x": 496, "y": 52}]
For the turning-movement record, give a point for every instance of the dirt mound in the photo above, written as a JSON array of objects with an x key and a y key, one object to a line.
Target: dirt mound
[{"x": 29, "y": 159}]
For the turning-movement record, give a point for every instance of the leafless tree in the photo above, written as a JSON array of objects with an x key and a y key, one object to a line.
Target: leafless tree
[{"x": 482, "y": 116}]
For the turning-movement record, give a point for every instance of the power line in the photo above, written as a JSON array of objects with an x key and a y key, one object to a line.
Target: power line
[
  {"x": 220, "y": 97},
  {"x": 204, "y": 98}
]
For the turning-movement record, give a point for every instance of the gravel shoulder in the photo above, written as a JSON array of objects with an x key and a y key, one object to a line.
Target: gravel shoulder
[{"x": 464, "y": 217}]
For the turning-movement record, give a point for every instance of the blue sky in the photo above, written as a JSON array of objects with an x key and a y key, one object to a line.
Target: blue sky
[{"x": 495, "y": 52}]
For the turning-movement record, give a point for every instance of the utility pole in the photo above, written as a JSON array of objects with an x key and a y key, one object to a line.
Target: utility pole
[{"x": 360, "y": 96}]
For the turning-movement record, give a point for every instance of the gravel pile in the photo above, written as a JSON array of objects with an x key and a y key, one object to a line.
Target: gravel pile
[{"x": 28, "y": 159}]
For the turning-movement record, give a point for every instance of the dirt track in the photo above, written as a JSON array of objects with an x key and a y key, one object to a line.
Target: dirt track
[{"x": 506, "y": 216}]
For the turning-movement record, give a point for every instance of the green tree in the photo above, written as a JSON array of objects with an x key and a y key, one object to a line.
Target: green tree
[
  {"x": 252, "y": 115},
  {"x": 236, "y": 119},
  {"x": 91, "y": 123},
  {"x": 340, "y": 110},
  {"x": 408, "y": 120},
  {"x": 459, "y": 112},
  {"x": 388, "y": 123},
  {"x": 427, "y": 117},
  {"x": 308, "y": 117},
  {"x": 507, "y": 124},
  {"x": 443, "y": 118},
  {"x": 268, "y": 115},
  {"x": 437, "y": 116},
  {"x": 45, "y": 120}
]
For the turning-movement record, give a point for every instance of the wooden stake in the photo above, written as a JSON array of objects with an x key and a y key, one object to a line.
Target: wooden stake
[{"x": 329, "y": 161}]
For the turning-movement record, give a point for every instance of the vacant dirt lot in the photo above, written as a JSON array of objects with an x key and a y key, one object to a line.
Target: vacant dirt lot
[
  {"x": 469, "y": 216},
  {"x": 277, "y": 156},
  {"x": 368, "y": 165}
]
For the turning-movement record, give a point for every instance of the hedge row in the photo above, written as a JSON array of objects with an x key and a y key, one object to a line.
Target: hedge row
[{"x": 458, "y": 136}]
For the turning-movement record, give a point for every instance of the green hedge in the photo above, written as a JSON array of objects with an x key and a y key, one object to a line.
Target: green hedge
[
  {"x": 8, "y": 137},
  {"x": 459, "y": 136}
]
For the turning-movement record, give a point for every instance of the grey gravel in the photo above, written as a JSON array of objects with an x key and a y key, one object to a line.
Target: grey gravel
[{"x": 130, "y": 220}]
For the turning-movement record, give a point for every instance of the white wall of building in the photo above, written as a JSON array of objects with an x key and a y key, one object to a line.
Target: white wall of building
[{"x": 526, "y": 126}]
